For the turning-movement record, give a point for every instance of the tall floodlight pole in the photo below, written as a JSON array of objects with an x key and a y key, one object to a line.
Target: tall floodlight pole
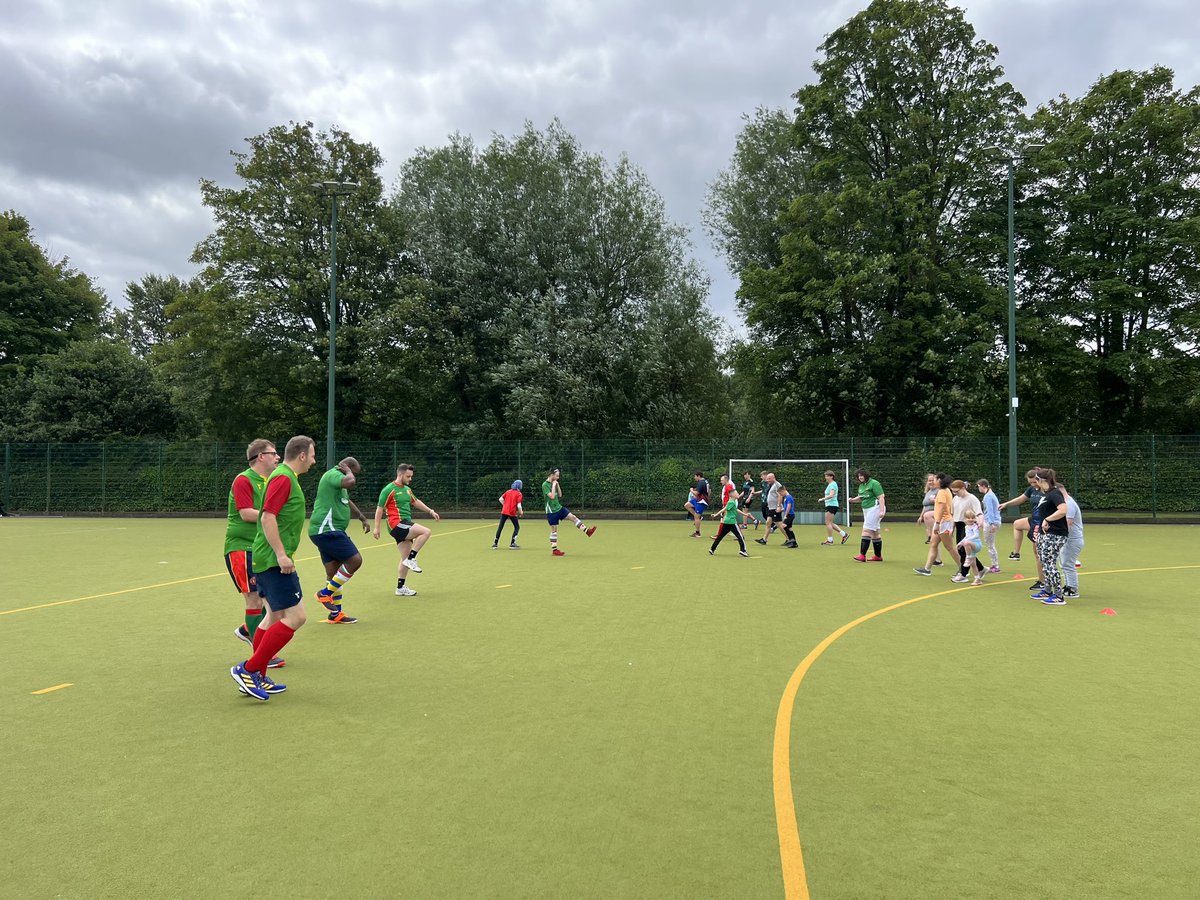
[
  {"x": 332, "y": 189},
  {"x": 1011, "y": 158}
]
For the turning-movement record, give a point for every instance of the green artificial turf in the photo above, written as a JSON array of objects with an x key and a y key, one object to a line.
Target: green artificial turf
[{"x": 601, "y": 726}]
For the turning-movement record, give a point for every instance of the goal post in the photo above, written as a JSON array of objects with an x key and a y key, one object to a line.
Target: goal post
[{"x": 804, "y": 479}]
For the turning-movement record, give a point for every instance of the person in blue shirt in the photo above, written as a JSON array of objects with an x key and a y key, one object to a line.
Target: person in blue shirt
[
  {"x": 697, "y": 501},
  {"x": 830, "y": 500},
  {"x": 787, "y": 515},
  {"x": 991, "y": 521}
]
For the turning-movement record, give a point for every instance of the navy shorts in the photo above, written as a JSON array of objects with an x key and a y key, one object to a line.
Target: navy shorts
[
  {"x": 555, "y": 517},
  {"x": 280, "y": 591},
  {"x": 335, "y": 546}
]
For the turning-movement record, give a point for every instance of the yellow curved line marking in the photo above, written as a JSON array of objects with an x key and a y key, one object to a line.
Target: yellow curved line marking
[
  {"x": 164, "y": 584},
  {"x": 503, "y": 586},
  {"x": 791, "y": 855}
]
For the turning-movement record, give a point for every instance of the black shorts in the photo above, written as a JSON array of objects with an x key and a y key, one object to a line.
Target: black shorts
[
  {"x": 832, "y": 509},
  {"x": 400, "y": 532},
  {"x": 770, "y": 513},
  {"x": 788, "y": 520}
]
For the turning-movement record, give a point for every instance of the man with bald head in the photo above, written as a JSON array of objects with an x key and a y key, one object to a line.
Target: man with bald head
[{"x": 327, "y": 529}]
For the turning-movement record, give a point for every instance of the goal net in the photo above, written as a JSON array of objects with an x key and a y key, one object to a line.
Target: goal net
[{"x": 804, "y": 479}]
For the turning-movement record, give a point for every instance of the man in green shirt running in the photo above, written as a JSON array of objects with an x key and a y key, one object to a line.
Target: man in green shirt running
[
  {"x": 556, "y": 512},
  {"x": 327, "y": 529},
  {"x": 280, "y": 526},
  {"x": 397, "y": 501},
  {"x": 245, "y": 497}
]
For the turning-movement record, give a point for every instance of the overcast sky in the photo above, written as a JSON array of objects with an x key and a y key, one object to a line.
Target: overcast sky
[{"x": 110, "y": 113}]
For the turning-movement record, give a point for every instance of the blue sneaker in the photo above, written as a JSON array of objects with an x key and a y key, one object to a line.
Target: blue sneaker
[
  {"x": 271, "y": 687},
  {"x": 249, "y": 683},
  {"x": 1052, "y": 600}
]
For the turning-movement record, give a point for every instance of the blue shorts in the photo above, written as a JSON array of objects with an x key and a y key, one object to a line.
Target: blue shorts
[
  {"x": 700, "y": 506},
  {"x": 555, "y": 517},
  {"x": 335, "y": 546},
  {"x": 280, "y": 591}
]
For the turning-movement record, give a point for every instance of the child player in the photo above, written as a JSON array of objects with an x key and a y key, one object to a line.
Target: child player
[
  {"x": 830, "y": 499},
  {"x": 991, "y": 521},
  {"x": 510, "y": 508},
  {"x": 970, "y": 545},
  {"x": 729, "y": 525}
]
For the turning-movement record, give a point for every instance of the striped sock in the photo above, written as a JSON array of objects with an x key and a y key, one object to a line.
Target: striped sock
[{"x": 334, "y": 585}]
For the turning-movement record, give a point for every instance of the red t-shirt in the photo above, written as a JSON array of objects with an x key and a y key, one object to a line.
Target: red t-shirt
[
  {"x": 725, "y": 492},
  {"x": 509, "y": 501}
]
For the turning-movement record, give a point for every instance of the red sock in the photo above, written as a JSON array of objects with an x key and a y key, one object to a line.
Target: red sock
[
  {"x": 256, "y": 638},
  {"x": 274, "y": 640}
]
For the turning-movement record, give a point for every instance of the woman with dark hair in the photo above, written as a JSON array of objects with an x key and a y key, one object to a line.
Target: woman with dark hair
[
  {"x": 1051, "y": 536},
  {"x": 871, "y": 496}
]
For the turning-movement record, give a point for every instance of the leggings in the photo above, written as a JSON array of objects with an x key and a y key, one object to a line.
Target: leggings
[
  {"x": 989, "y": 542},
  {"x": 725, "y": 529},
  {"x": 1049, "y": 546},
  {"x": 516, "y": 528}
]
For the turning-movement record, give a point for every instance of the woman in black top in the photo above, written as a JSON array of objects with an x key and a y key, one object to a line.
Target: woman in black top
[{"x": 1051, "y": 531}]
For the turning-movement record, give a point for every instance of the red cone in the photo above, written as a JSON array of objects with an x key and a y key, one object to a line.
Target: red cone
[{"x": 1108, "y": 612}]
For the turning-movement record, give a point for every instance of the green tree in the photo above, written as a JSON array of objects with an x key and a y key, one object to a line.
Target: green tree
[
  {"x": 1113, "y": 309},
  {"x": 747, "y": 200},
  {"x": 44, "y": 305},
  {"x": 143, "y": 324},
  {"x": 94, "y": 391},
  {"x": 876, "y": 319},
  {"x": 257, "y": 337},
  {"x": 553, "y": 278}
]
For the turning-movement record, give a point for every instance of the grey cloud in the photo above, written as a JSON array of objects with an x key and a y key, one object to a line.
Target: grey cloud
[{"x": 113, "y": 112}]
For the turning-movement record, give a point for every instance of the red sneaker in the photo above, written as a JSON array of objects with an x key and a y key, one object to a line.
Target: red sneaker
[
  {"x": 860, "y": 558},
  {"x": 875, "y": 559},
  {"x": 557, "y": 552},
  {"x": 590, "y": 531}
]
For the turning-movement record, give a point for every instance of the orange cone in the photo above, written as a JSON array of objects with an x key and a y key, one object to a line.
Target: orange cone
[{"x": 1108, "y": 612}]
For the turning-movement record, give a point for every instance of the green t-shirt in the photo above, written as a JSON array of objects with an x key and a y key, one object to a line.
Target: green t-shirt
[
  {"x": 239, "y": 535},
  {"x": 396, "y": 501},
  {"x": 281, "y": 485},
  {"x": 731, "y": 510},
  {"x": 552, "y": 503},
  {"x": 331, "y": 509},
  {"x": 870, "y": 491}
]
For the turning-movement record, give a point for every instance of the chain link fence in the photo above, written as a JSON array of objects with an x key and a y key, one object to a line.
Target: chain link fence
[{"x": 1151, "y": 475}]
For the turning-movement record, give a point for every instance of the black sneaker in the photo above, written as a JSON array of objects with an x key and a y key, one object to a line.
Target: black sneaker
[
  {"x": 1035, "y": 587},
  {"x": 938, "y": 562},
  {"x": 1070, "y": 593},
  {"x": 743, "y": 553},
  {"x": 1014, "y": 556},
  {"x": 760, "y": 541}
]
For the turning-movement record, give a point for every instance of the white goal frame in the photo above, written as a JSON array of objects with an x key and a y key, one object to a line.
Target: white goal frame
[{"x": 834, "y": 464}]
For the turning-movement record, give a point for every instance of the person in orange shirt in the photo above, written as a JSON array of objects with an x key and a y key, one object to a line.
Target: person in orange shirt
[
  {"x": 943, "y": 525},
  {"x": 510, "y": 508}
]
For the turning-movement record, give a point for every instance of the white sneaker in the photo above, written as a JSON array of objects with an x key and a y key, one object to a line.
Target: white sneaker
[
  {"x": 412, "y": 564},
  {"x": 405, "y": 591}
]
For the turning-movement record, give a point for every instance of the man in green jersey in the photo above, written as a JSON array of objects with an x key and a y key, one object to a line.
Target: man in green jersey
[
  {"x": 397, "y": 500},
  {"x": 280, "y": 526},
  {"x": 245, "y": 497},
  {"x": 327, "y": 529},
  {"x": 556, "y": 512},
  {"x": 729, "y": 525}
]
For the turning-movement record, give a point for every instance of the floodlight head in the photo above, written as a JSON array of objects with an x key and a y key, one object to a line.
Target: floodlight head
[{"x": 995, "y": 151}]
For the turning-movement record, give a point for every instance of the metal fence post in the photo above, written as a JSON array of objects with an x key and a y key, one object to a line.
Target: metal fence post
[
  {"x": 6, "y": 497},
  {"x": 456, "y": 473},
  {"x": 161, "y": 474},
  {"x": 1153, "y": 477},
  {"x": 582, "y": 475},
  {"x": 519, "y": 474},
  {"x": 103, "y": 473},
  {"x": 47, "y": 478}
]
